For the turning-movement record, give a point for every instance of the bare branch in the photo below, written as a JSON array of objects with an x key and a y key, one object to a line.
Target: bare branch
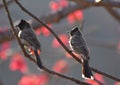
[
  {"x": 91, "y": 3},
  {"x": 114, "y": 13},
  {"x": 75, "y": 57},
  {"x": 105, "y": 74},
  {"x": 66, "y": 77},
  {"x": 8, "y": 3}
]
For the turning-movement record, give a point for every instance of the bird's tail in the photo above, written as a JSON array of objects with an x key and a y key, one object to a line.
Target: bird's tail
[
  {"x": 38, "y": 60},
  {"x": 86, "y": 71}
]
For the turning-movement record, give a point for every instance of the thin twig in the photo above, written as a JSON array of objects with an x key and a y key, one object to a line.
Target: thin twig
[
  {"x": 114, "y": 13},
  {"x": 111, "y": 11},
  {"x": 44, "y": 68},
  {"x": 8, "y": 3},
  {"x": 59, "y": 40},
  {"x": 105, "y": 74},
  {"x": 66, "y": 77},
  {"x": 91, "y": 3}
]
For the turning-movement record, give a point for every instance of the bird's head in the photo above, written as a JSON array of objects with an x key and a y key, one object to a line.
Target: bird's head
[
  {"x": 23, "y": 24},
  {"x": 74, "y": 31}
]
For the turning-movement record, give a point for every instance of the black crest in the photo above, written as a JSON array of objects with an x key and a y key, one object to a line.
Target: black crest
[
  {"x": 74, "y": 30},
  {"x": 23, "y": 24}
]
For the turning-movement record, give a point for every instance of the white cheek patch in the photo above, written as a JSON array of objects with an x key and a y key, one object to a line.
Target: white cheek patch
[
  {"x": 19, "y": 33},
  {"x": 70, "y": 44}
]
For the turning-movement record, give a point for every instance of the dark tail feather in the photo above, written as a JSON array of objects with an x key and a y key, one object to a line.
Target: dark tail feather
[
  {"x": 39, "y": 63},
  {"x": 86, "y": 71}
]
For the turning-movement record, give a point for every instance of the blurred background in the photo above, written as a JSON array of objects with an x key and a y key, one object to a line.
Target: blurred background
[{"x": 101, "y": 31}]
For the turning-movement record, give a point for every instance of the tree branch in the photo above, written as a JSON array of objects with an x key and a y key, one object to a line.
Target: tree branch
[
  {"x": 114, "y": 13},
  {"x": 103, "y": 3},
  {"x": 66, "y": 77},
  {"x": 108, "y": 5},
  {"x": 105, "y": 74},
  {"x": 75, "y": 57},
  {"x": 8, "y": 3}
]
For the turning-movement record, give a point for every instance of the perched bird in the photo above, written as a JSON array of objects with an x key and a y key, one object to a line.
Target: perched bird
[
  {"x": 79, "y": 46},
  {"x": 29, "y": 40}
]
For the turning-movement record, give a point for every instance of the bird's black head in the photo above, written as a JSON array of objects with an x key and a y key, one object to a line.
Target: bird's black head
[
  {"x": 23, "y": 24},
  {"x": 75, "y": 31}
]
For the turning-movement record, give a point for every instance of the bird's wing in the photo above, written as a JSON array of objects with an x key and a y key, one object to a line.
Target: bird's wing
[
  {"x": 79, "y": 45},
  {"x": 83, "y": 51},
  {"x": 30, "y": 37}
]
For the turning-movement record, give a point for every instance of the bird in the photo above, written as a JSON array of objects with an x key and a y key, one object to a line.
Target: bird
[
  {"x": 78, "y": 45},
  {"x": 29, "y": 40}
]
